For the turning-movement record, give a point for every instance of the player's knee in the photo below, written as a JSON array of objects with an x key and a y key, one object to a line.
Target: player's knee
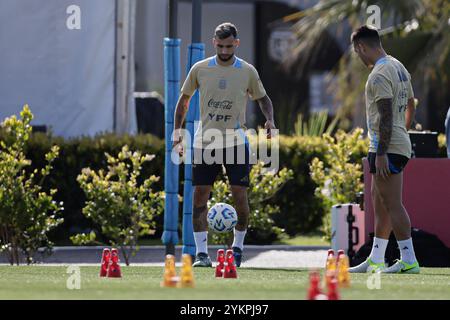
[{"x": 390, "y": 203}]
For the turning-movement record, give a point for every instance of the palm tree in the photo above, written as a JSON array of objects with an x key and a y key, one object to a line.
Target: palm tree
[{"x": 419, "y": 31}]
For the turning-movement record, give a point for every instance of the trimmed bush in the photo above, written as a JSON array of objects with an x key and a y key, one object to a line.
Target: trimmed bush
[
  {"x": 27, "y": 209},
  {"x": 123, "y": 208},
  {"x": 79, "y": 153},
  {"x": 263, "y": 187},
  {"x": 341, "y": 178},
  {"x": 300, "y": 210}
]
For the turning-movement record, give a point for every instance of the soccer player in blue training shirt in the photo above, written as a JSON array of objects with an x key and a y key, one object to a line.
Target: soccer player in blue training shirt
[
  {"x": 389, "y": 111},
  {"x": 224, "y": 82}
]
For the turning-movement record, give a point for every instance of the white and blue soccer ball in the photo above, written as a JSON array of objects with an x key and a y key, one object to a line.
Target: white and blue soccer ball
[{"x": 222, "y": 217}]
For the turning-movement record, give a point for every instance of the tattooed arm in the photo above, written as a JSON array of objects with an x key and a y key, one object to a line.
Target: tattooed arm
[
  {"x": 267, "y": 109},
  {"x": 386, "y": 119},
  {"x": 180, "y": 114},
  {"x": 181, "y": 110}
]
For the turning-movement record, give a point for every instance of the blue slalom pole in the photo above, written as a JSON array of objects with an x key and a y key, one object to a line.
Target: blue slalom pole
[
  {"x": 196, "y": 53},
  {"x": 171, "y": 170}
]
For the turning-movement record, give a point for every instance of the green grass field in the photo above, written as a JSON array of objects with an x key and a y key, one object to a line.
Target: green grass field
[{"x": 49, "y": 282}]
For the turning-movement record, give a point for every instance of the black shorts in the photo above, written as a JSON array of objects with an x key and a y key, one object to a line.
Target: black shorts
[
  {"x": 397, "y": 162},
  {"x": 237, "y": 166}
]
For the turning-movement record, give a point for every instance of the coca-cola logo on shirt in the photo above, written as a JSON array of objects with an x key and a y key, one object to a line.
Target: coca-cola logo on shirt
[{"x": 224, "y": 105}]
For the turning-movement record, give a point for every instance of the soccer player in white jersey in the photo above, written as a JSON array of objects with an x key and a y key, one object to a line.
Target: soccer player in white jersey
[
  {"x": 224, "y": 82},
  {"x": 389, "y": 111}
]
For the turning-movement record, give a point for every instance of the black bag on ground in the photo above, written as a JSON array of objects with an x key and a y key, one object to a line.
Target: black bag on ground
[{"x": 430, "y": 251}]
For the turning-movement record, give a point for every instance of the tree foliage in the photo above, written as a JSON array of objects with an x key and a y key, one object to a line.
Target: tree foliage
[
  {"x": 120, "y": 202},
  {"x": 27, "y": 212}
]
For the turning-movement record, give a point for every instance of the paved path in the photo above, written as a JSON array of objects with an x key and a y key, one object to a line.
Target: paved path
[{"x": 271, "y": 256}]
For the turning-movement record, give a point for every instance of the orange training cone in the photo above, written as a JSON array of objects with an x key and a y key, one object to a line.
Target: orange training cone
[
  {"x": 106, "y": 255},
  {"x": 343, "y": 276},
  {"x": 339, "y": 254},
  {"x": 330, "y": 267},
  {"x": 331, "y": 261},
  {"x": 170, "y": 274},
  {"x": 114, "y": 267},
  {"x": 187, "y": 274}
]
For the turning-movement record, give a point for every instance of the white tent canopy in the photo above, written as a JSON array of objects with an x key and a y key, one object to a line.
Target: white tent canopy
[{"x": 71, "y": 61}]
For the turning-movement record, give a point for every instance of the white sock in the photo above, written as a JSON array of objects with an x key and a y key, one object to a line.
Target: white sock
[
  {"x": 407, "y": 251},
  {"x": 378, "y": 250},
  {"x": 239, "y": 238},
  {"x": 201, "y": 242}
]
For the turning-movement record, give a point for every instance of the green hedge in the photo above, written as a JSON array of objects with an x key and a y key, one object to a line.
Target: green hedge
[
  {"x": 76, "y": 154},
  {"x": 301, "y": 212}
]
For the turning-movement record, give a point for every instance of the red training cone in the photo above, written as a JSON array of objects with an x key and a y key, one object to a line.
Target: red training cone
[
  {"x": 230, "y": 268},
  {"x": 220, "y": 263},
  {"x": 333, "y": 290},
  {"x": 314, "y": 282},
  {"x": 114, "y": 267},
  {"x": 106, "y": 255}
]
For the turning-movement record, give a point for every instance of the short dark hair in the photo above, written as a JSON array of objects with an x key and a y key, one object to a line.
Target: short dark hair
[
  {"x": 225, "y": 30},
  {"x": 368, "y": 35}
]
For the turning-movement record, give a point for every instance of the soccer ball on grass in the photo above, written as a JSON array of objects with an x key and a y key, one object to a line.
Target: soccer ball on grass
[{"x": 222, "y": 217}]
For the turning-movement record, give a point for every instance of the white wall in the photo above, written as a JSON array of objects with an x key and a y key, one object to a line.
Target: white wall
[{"x": 64, "y": 71}]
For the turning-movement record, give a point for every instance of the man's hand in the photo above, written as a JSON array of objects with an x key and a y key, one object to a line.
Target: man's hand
[
  {"x": 269, "y": 125},
  {"x": 177, "y": 139},
  {"x": 382, "y": 166}
]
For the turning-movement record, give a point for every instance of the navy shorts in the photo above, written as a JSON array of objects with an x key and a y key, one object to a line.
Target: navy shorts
[
  {"x": 397, "y": 162},
  {"x": 237, "y": 166}
]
